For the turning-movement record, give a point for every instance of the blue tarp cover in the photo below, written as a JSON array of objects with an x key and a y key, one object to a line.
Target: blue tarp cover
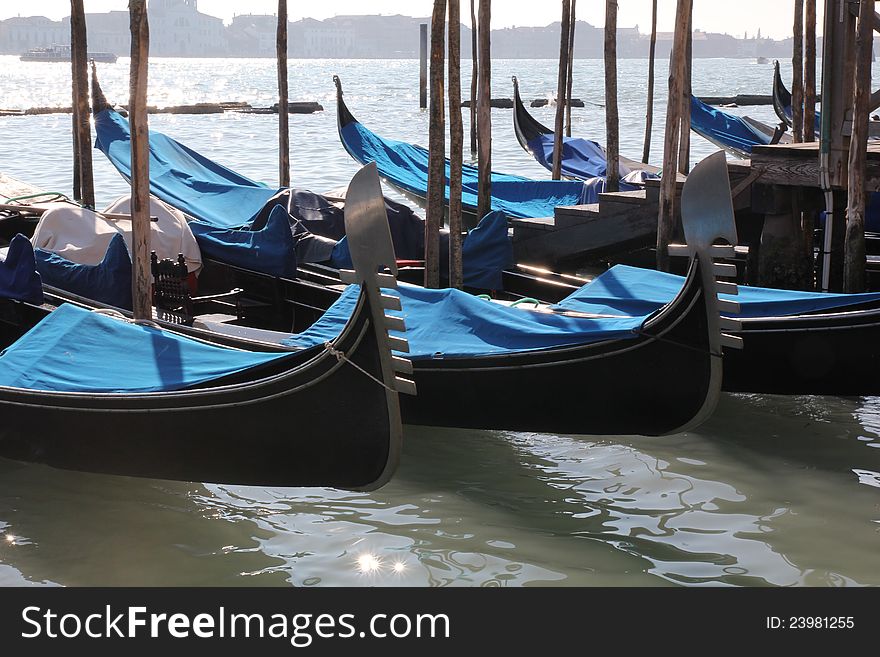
[
  {"x": 270, "y": 250},
  {"x": 18, "y": 272},
  {"x": 485, "y": 253},
  {"x": 449, "y": 323},
  {"x": 723, "y": 128},
  {"x": 188, "y": 181},
  {"x": 74, "y": 350},
  {"x": 581, "y": 158},
  {"x": 406, "y": 166},
  {"x": 107, "y": 282},
  {"x": 625, "y": 290}
]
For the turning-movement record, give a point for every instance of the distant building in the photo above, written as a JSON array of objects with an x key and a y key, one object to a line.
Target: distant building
[
  {"x": 179, "y": 29},
  {"x": 253, "y": 35},
  {"x": 18, "y": 35}
]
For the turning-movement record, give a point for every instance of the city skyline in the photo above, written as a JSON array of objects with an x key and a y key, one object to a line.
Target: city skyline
[{"x": 773, "y": 19}]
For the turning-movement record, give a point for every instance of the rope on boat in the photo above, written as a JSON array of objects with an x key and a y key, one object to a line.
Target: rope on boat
[
  {"x": 343, "y": 358},
  {"x": 56, "y": 196}
]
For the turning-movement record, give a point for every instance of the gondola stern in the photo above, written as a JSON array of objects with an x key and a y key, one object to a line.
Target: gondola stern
[{"x": 99, "y": 100}]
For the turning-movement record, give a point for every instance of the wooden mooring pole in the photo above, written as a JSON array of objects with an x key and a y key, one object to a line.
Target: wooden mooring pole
[
  {"x": 283, "y": 120},
  {"x": 436, "y": 150},
  {"x": 456, "y": 143},
  {"x": 666, "y": 213},
  {"x": 684, "y": 135},
  {"x": 561, "y": 86},
  {"x": 570, "y": 76},
  {"x": 474, "y": 75},
  {"x": 423, "y": 65},
  {"x": 649, "y": 113},
  {"x": 484, "y": 111},
  {"x": 612, "y": 124},
  {"x": 141, "y": 279},
  {"x": 854, "y": 246},
  {"x": 797, "y": 74},
  {"x": 84, "y": 184},
  {"x": 810, "y": 71}
]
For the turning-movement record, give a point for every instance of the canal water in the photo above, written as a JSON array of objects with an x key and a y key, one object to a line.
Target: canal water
[{"x": 771, "y": 491}]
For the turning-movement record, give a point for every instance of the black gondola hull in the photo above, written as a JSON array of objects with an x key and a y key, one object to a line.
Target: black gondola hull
[{"x": 314, "y": 420}]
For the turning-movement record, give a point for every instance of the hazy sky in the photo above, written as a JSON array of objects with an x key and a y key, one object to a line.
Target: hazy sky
[{"x": 773, "y": 17}]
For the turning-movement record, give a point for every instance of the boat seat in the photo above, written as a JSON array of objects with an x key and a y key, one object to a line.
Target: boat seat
[{"x": 172, "y": 293}]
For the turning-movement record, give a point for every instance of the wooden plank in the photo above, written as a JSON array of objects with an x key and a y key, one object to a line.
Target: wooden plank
[
  {"x": 423, "y": 66},
  {"x": 600, "y": 235}
]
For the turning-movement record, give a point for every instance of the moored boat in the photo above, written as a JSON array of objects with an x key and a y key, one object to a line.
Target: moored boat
[
  {"x": 86, "y": 391},
  {"x": 61, "y": 53}
]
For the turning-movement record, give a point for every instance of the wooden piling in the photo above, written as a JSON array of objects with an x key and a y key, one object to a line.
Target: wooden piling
[
  {"x": 283, "y": 120},
  {"x": 141, "y": 279},
  {"x": 474, "y": 75},
  {"x": 684, "y": 135},
  {"x": 666, "y": 213},
  {"x": 797, "y": 74},
  {"x": 484, "y": 111},
  {"x": 423, "y": 65},
  {"x": 810, "y": 70},
  {"x": 649, "y": 113},
  {"x": 854, "y": 247},
  {"x": 570, "y": 75},
  {"x": 561, "y": 86},
  {"x": 436, "y": 150},
  {"x": 84, "y": 184},
  {"x": 456, "y": 143},
  {"x": 612, "y": 125}
]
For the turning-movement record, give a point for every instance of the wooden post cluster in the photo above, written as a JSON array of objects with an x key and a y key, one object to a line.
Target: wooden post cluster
[
  {"x": 667, "y": 212},
  {"x": 436, "y": 149},
  {"x": 456, "y": 143},
  {"x": 612, "y": 124},
  {"x": 797, "y": 75},
  {"x": 484, "y": 111},
  {"x": 649, "y": 113},
  {"x": 854, "y": 253},
  {"x": 283, "y": 120},
  {"x": 141, "y": 279},
  {"x": 570, "y": 77},
  {"x": 561, "y": 86},
  {"x": 83, "y": 179}
]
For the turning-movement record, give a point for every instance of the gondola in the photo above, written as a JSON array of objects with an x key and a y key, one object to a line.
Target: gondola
[
  {"x": 237, "y": 220},
  {"x": 485, "y": 365},
  {"x": 82, "y": 390},
  {"x": 793, "y": 342},
  {"x": 582, "y": 159},
  {"x": 405, "y": 167},
  {"x": 735, "y": 134},
  {"x": 782, "y": 100}
]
